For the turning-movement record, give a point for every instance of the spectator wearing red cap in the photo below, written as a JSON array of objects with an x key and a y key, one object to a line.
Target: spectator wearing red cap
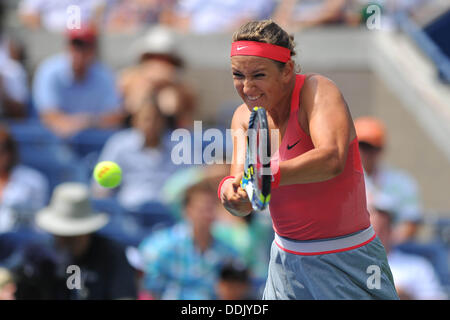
[
  {"x": 382, "y": 180},
  {"x": 74, "y": 91}
]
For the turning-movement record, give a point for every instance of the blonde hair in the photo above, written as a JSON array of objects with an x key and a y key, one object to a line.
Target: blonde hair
[{"x": 266, "y": 31}]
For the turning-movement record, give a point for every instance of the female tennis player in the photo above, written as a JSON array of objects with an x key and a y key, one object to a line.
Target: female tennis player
[{"x": 324, "y": 246}]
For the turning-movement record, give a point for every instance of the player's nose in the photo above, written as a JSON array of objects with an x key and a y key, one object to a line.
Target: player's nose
[{"x": 248, "y": 87}]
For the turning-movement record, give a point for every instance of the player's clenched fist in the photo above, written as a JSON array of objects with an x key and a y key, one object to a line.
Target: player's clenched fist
[{"x": 234, "y": 198}]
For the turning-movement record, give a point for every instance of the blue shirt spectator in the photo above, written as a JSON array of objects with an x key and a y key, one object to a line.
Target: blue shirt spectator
[
  {"x": 25, "y": 193},
  {"x": 55, "y": 88},
  {"x": 144, "y": 168},
  {"x": 184, "y": 261},
  {"x": 175, "y": 269},
  {"x": 143, "y": 155},
  {"x": 75, "y": 91}
]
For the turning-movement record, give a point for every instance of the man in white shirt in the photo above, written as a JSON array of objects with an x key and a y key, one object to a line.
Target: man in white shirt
[
  {"x": 384, "y": 180},
  {"x": 414, "y": 276}
]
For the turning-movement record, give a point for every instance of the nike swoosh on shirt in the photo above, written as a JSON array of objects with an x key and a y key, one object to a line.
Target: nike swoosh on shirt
[{"x": 289, "y": 147}]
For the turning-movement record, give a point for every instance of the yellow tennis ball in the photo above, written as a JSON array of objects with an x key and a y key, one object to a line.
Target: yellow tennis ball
[{"x": 108, "y": 174}]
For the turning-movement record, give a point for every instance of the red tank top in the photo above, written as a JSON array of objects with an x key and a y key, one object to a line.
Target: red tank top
[{"x": 319, "y": 210}]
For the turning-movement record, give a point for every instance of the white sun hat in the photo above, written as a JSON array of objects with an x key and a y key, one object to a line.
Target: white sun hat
[
  {"x": 70, "y": 213},
  {"x": 158, "y": 40}
]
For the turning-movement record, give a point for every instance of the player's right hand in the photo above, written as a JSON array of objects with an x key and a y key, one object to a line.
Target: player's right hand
[{"x": 234, "y": 198}]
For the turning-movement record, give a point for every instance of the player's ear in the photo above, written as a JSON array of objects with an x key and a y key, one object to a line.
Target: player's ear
[{"x": 288, "y": 70}]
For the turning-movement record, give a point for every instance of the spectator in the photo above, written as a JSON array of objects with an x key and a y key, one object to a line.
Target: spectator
[
  {"x": 215, "y": 16},
  {"x": 157, "y": 60},
  {"x": 104, "y": 272},
  {"x": 135, "y": 260},
  {"x": 53, "y": 15},
  {"x": 23, "y": 190},
  {"x": 7, "y": 285},
  {"x": 13, "y": 77},
  {"x": 134, "y": 15},
  {"x": 251, "y": 236},
  {"x": 75, "y": 91},
  {"x": 176, "y": 185},
  {"x": 184, "y": 261},
  {"x": 414, "y": 276},
  {"x": 143, "y": 156},
  {"x": 10, "y": 46},
  {"x": 234, "y": 282},
  {"x": 294, "y": 15},
  {"x": 177, "y": 102},
  {"x": 13, "y": 88},
  {"x": 384, "y": 180}
]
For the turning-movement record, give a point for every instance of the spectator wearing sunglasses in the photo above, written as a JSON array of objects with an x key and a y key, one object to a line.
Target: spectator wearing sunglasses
[{"x": 382, "y": 179}]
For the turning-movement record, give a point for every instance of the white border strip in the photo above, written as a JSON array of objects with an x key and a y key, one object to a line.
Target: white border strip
[{"x": 325, "y": 245}]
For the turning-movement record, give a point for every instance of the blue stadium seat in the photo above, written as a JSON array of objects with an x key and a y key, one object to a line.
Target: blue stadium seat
[
  {"x": 131, "y": 226},
  {"x": 13, "y": 243},
  {"x": 117, "y": 228},
  {"x": 152, "y": 215},
  {"x": 90, "y": 141},
  {"x": 40, "y": 149}
]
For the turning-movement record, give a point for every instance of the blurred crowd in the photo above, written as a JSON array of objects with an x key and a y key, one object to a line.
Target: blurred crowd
[{"x": 162, "y": 234}]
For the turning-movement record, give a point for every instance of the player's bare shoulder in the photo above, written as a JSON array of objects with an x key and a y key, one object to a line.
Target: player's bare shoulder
[
  {"x": 318, "y": 88},
  {"x": 317, "y": 83}
]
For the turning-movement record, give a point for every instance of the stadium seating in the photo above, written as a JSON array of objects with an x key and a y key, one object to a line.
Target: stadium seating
[
  {"x": 40, "y": 149},
  {"x": 130, "y": 226}
]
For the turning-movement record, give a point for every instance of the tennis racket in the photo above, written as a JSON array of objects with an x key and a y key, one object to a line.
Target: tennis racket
[{"x": 257, "y": 177}]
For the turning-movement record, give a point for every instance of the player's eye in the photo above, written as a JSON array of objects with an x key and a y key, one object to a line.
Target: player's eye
[
  {"x": 259, "y": 75},
  {"x": 237, "y": 75}
]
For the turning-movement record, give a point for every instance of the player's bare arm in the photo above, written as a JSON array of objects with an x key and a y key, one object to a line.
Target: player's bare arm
[
  {"x": 233, "y": 197},
  {"x": 328, "y": 122}
]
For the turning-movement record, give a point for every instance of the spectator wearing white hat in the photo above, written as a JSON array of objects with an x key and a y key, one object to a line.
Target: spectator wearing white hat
[
  {"x": 103, "y": 268},
  {"x": 157, "y": 60}
]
